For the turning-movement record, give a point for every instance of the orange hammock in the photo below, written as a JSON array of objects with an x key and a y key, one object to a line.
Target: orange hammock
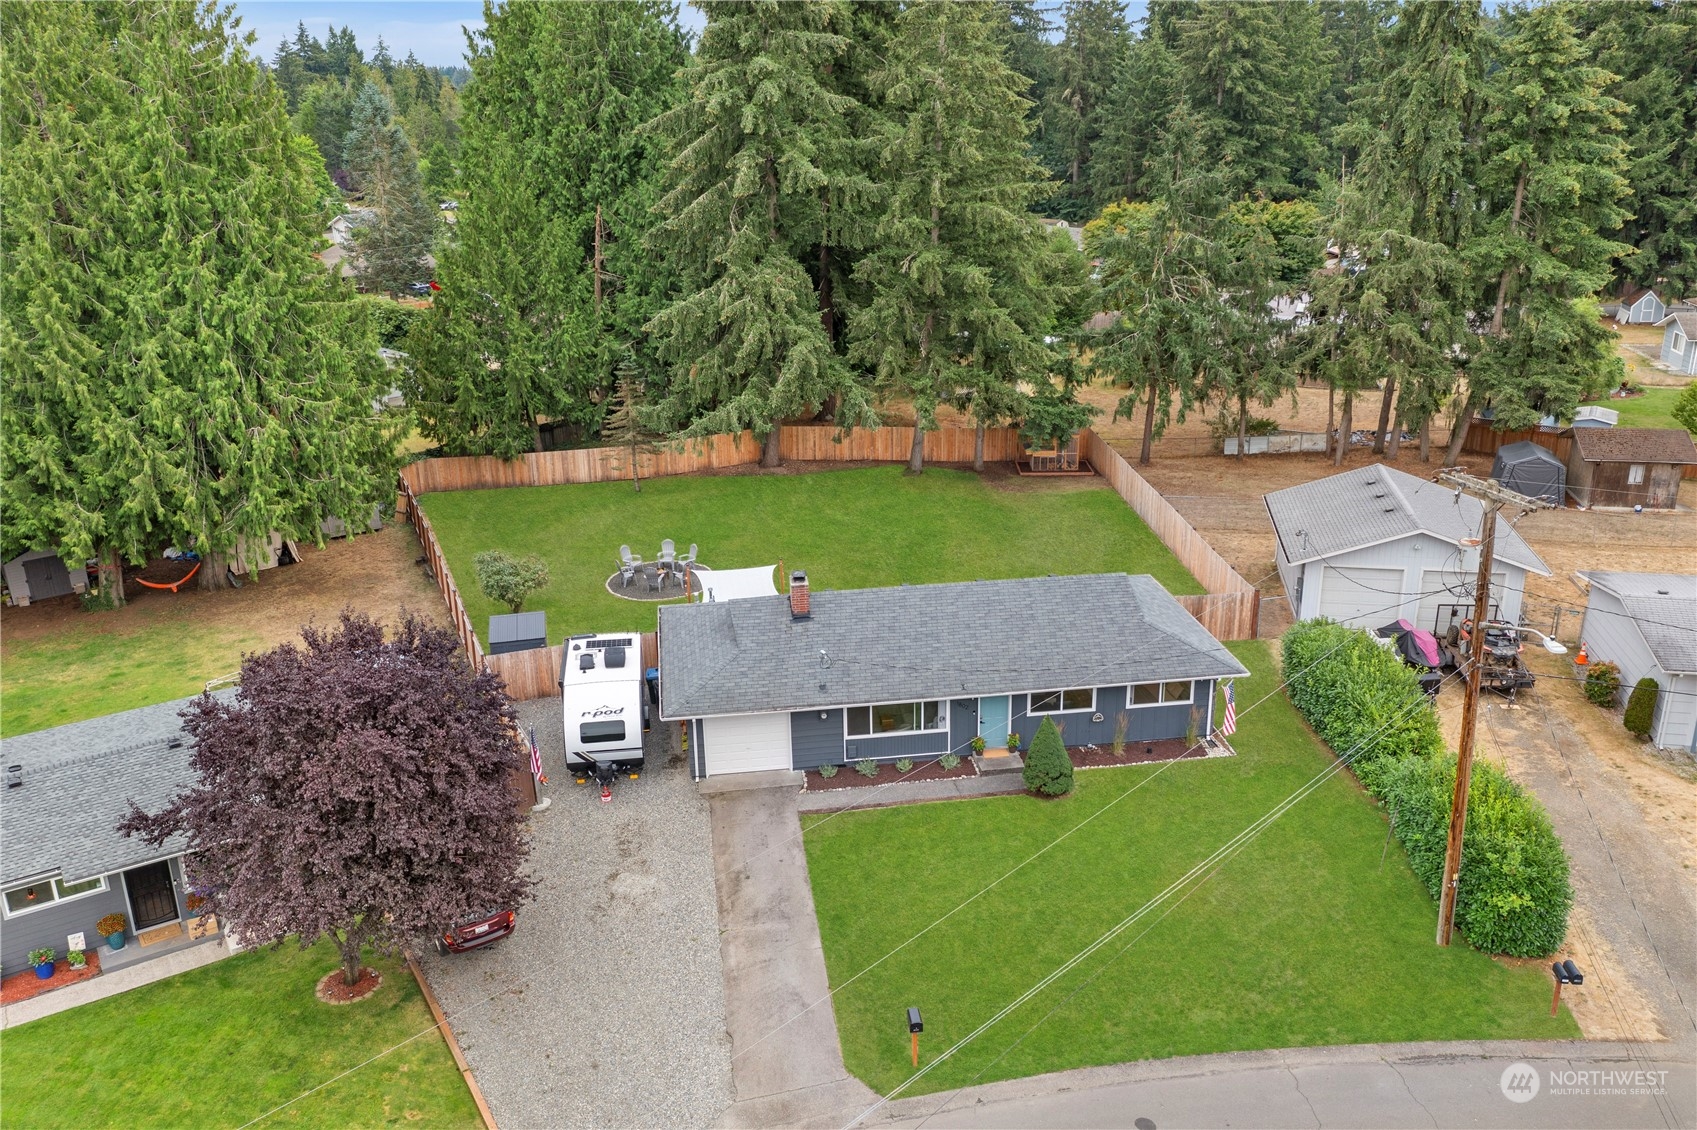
[{"x": 173, "y": 586}]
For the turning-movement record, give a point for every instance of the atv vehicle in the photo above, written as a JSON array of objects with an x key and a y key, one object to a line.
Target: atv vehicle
[{"x": 1503, "y": 669}]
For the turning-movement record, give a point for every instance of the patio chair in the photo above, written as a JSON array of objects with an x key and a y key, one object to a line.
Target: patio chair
[
  {"x": 628, "y": 566},
  {"x": 688, "y": 558},
  {"x": 668, "y": 551}
]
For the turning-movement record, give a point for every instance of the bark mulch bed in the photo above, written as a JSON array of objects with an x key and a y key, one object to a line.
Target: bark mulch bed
[
  {"x": 332, "y": 990},
  {"x": 23, "y": 986},
  {"x": 847, "y": 778},
  {"x": 1139, "y": 753}
]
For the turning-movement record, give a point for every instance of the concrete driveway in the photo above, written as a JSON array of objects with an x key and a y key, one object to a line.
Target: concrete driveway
[{"x": 606, "y": 1007}]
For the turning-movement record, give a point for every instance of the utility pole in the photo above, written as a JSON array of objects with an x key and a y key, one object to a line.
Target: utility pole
[{"x": 1495, "y": 499}]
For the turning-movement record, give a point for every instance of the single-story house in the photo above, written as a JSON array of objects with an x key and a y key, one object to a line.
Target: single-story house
[
  {"x": 42, "y": 574},
  {"x": 65, "y": 866},
  {"x": 1376, "y": 544},
  {"x": 1641, "y": 306},
  {"x": 1679, "y": 341},
  {"x": 1646, "y": 623},
  {"x": 1628, "y": 467},
  {"x": 832, "y": 677}
]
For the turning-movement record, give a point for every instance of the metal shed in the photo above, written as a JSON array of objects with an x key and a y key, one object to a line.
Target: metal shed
[
  {"x": 519, "y": 631},
  {"x": 1532, "y": 470}
]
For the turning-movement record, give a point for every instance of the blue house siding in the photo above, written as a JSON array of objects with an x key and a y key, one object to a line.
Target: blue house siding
[
  {"x": 48, "y": 927},
  {"x": 1144, "y": 723},
  {"x": 815, "y": 740},
  {"x": 898, "y": 745},
  {"x": 963, "y": 725}
]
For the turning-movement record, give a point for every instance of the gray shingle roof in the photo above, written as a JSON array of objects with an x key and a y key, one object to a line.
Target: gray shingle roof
[
  {"x": 1664, "y": 607},
  {"x": 78, "y": 781},
  {"x": 1377, "y": 504},
  {"x": 929, "y": 641}
]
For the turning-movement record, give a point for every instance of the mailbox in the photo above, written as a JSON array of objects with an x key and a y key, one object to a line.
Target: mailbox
[
  {"x": 914, "y": 1023},
  {"x": 1574, "y": 977}
]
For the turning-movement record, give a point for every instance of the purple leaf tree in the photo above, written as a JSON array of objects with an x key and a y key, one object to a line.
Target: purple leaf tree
[{"x": 356, "y": 788}]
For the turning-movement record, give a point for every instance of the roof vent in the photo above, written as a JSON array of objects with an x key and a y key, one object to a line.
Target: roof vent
[
  {"x": 1661, "y": 592},
  {"x": 14, "y": 776},
  {"x": 586, "y": 661},
  {"x": 801, "y": 604},
  {"x": 614, "y": 656}
]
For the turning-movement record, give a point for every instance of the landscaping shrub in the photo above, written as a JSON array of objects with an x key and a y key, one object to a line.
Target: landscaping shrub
[
  {"x": 827, "y": 771},
  {"x": 1602, "y": 683},
  {"x": 866, "y": 767},
  {"x": 904, "y": 766},
  {"x": 508, "y": 580},
  {"x": 1641, "y": 707},
  {"x": 949, "y": 760},
  {"x": 1514, "y": 894},
  {"x": 1048, "y": 770}
]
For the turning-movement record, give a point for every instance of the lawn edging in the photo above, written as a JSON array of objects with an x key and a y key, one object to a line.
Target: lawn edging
[{"x": 453, "y": 1042}]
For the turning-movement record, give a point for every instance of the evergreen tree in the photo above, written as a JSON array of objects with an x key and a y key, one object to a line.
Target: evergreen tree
[
  {"x": 547, "y": 280},
  {"x": 1351, "y": 28},
  {"x": 342, "y": 55},
  {"x": 290, "y": 75},
  {"x": 309, "y": 51},
  {"x": 392, "y": 248},
  {"x": 622, "y": 426},
  {"x": 179, "y": 369},
  {"x": 325, "y": 113},
  {"x": 959, "y": 292},
  {"x": 1144, "y": 92},
  {"x": 752, "y": 156},
  {"x": 1048, "y": 769},
  {"x": 1553, "y": 181},
  {"x": 1088, "y": 61},
  {"x": 382, "y": 61}
]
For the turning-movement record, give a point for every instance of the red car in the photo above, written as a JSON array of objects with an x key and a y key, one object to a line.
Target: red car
[{"x": 476, "y": 932}]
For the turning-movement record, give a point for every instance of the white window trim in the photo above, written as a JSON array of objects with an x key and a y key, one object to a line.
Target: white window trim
[
  {"x": 1032, "y": 711},
  {"x": 942, "y": 717},
  {"x": 57, "y": 900},
  {"x": 1130, "y": 689},
  {"x": 1635, "y": 474}
]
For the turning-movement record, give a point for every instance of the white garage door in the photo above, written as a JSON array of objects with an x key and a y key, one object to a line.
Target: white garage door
[
  {"x": 1441, "y": 589},
  {"x": 1361, "y": 598},
  {"x": 746, "y": 743}
]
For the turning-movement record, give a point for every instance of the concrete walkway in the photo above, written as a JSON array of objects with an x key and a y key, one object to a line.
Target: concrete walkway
[
  {"x": 118, "y": 981},
  {"x": 786, "y": 1063}
]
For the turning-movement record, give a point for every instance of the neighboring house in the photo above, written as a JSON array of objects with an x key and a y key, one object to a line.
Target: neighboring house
[
  {"x": 1627, "y": 467},
  {"x": 65, "y": 866},
  {"x": 832, "y": 677},
  {"x": 1679, "y": 341},
  {"x": 1641, "y": 306},
  {"x": 1375, "y": 544},
  {"x": 42, "y": 574},
  {"x": 1646, "y": 623}
]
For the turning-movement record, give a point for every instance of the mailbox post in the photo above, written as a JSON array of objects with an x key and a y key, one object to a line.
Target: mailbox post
[
  {"x": 915, "y": 1026},
  {"x": 1566, "y": 973}
]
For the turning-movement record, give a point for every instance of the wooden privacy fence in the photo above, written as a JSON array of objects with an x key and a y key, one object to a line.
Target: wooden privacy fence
[
  {"x": 1231, "y": 610},
  {"x": 536, "y": 673},
  {"x": 606, "y": 464},
  {"x": 1482, "y": 439},
  {"x": 407, "y": 505}
]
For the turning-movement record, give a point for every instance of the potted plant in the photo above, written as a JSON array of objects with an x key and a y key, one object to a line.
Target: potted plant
[
  {"x": 76, "y": 959},
  {"x": 42, "y": 959},
  {"x": 978, "y": 744},
  {"x": 1013, "y": 742},
  {"x": 112, "y": 928}
]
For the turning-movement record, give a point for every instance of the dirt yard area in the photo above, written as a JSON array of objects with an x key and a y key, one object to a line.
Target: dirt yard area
[{"x": 61, "y": 664}]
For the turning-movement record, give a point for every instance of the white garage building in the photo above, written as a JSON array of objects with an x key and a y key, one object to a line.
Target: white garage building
[
  {"x": 1647, "y": 624},
  {"x": 1375, "y": 544}
]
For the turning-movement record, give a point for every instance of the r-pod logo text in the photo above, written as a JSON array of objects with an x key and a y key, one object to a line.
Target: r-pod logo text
[{"x": 1519, "y": 1083}]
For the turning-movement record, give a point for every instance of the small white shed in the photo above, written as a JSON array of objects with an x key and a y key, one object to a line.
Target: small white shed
[
  {"x": 42, "y": 574},
  {"x": 1646, "y": 623},
  {"x": 1377, "y": 544}
]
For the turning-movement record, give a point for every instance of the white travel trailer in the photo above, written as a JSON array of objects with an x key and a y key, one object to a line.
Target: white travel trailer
[{"x": 605, "y": 709}]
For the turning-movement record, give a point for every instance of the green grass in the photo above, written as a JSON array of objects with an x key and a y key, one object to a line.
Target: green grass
[
  {"x": 1301, "y": 940},
  {"x": 226, "y": 1043},
  {"x": 848, "y": 529},
  {"x": 1652, "y": 410},
  {"x": 82, "y": 671}
]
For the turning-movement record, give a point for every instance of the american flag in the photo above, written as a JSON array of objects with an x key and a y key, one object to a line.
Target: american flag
[
  {"x": 536, "y": 759},
  {"x": 1228, "y": 725}
]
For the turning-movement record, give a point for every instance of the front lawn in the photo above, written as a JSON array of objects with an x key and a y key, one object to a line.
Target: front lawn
[
  {"x": 228, "y": 1042},
  {"x": 1652, "y": 410},
  {"x": 848, "y": 529},
  {"x": 1303, "y": 939}
]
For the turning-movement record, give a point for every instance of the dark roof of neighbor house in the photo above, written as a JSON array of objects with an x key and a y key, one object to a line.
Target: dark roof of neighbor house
[
  {"x": 1664, "y": 607},
  {"x": 929, "y": 642},
  {"x": 1377, "y": 504},
  {"x": 1632, "y": 296},
  {"x": 78, "y": 781},
  {"x": 1685, "y": 317},
  {"x": 1634, "y": 445}
]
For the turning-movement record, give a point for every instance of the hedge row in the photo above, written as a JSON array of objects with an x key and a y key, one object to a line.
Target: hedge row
[{"x": 1514, "y": 894}]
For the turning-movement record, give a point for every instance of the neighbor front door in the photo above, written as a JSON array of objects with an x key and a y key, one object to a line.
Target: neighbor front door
[
  {"x": 152, "y": 898},
  {"x": 993, "y": 721}
]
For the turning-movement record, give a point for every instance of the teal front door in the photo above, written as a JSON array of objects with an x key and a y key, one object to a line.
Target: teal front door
[{"x": 993, "y": 721}]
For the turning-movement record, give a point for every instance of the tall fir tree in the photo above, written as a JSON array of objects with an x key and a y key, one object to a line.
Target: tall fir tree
[
  {"x": 547, "y": 280},
  {"x": 180, "y": 370},
  {"x": 1144, "y": 92},
  {"x": 1088, "y": 61},
  {"x": 752, "y": 156},
  {"x": 1554, "y": 180},
  {"x": 962, "y": 287},
  {"x": 392, "y": 248}
]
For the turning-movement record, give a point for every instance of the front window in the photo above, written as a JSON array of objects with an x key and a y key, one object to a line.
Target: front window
[
  {"x": 593, "y": 732},
  {"x": 1635, "y": 475},
  {"x": 1160, "y": 694},
  {"x": 33, "y": 896},
  {"x": 894, "y": 718},
  {"x": 1055, "y": 702}
]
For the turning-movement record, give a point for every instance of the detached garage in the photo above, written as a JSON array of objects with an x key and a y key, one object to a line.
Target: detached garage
[{"x": 1376, "y": 544}]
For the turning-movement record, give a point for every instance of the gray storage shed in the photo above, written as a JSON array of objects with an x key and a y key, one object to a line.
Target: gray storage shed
[
  {"x": 1532, "y": 470},
  {"x": 519, "y": 631}
]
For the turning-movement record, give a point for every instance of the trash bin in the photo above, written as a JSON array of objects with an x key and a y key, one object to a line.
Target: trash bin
[{"x": 652, "y": 677}]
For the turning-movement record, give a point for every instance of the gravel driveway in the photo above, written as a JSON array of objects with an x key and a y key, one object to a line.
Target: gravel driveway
[{"x": 606, "y": 1007}]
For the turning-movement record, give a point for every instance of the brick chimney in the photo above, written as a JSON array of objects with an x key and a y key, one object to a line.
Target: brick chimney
[{"x": 800, "y": 604}]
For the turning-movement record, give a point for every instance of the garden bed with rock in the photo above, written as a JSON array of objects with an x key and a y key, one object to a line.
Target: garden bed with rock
[
  {"x": 847, "y": 777},
  {"x": 1143, "y": 753},
  {"x": 23, "y": 986}
]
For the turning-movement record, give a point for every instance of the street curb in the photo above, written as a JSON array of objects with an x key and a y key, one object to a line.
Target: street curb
[{"x": 483, "y": 1111}]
